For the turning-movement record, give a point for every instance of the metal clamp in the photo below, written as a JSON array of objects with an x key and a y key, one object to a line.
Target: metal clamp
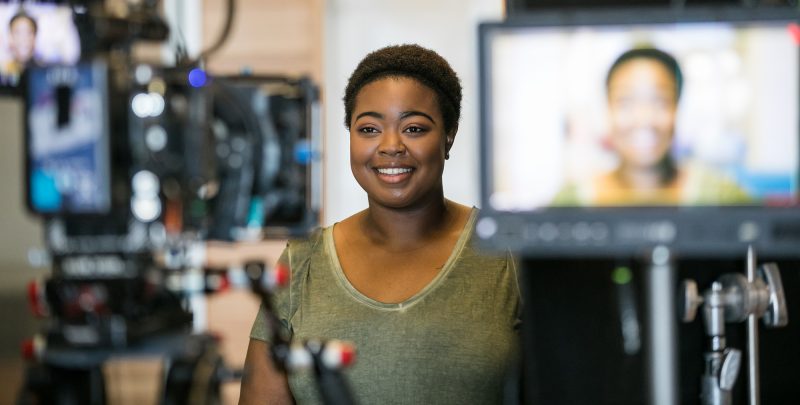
[{"x": 735, "y": 297}]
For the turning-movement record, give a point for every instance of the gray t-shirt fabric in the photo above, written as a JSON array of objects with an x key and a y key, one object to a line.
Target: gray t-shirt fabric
[{"x": 451, "y": 343}]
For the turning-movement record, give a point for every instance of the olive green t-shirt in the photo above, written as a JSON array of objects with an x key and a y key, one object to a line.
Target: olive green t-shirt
[{"x": 451, "y": 343}]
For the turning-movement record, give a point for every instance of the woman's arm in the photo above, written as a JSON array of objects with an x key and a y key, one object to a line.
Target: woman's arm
[{"x": 263, "y": 382}]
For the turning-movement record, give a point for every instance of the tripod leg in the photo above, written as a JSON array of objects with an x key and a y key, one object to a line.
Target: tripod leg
[
  {"x": 194, "y": 378},
  {"x": 45, "y": 384}
]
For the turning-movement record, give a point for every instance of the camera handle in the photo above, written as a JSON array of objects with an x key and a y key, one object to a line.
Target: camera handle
[{"x": 734, "y": 297}]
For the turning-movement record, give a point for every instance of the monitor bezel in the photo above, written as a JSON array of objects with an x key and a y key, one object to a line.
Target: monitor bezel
[{"x": 726, "y": 231}]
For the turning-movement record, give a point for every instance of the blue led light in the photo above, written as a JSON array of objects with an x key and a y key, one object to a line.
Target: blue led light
[
  {"x": 304, "y": 154},
  {"x": 197, "y": 77}
]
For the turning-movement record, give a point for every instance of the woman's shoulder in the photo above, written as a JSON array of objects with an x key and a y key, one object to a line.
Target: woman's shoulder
[
  {"x": 304, "y": 246},
  {"x": 467, "y": 215},
  {"x": 312, "y": 238},
  {"x": 464, "y": 209},
  {"x": 474, "y": 252}
]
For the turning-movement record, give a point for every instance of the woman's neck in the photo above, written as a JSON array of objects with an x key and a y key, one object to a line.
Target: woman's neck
[{"x": 406, "y": 228}]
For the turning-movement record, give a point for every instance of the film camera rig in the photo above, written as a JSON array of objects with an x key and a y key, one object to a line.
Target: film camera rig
[{"x": 132, "y": 167}]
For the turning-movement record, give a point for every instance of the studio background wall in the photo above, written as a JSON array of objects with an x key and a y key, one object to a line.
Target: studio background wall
[{"x": 354, "y": 28}]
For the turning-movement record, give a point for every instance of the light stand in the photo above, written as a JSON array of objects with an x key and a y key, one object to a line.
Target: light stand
[
  {"x": 662, "y": 348},
  {"x": 735, "y": 298}
]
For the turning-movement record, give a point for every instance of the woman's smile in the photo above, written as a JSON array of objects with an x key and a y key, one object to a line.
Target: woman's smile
[{"x": 393, "y": 175}]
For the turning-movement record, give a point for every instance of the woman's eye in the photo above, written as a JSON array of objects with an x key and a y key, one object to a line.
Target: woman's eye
[
  {"x": 368, "y": 130},
  {"x": 415, "y": 130}
]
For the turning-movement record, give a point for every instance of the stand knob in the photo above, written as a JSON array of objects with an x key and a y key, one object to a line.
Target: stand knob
[
  {"x": 690, "y": 301},
  {"x": 722, "y": 368},
  {"x": 776, "y": 314},
  {"x": 731, "y": 362}
]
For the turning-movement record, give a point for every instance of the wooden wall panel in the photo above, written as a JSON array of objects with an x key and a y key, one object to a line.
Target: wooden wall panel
[{"x": 268, "y": 36}]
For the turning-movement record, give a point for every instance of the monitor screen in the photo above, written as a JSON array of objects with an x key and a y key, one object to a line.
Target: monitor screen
[
  {"x": 68, "y": 164},
  {"x": 680, "y": 113},
  {"x": 610, "y": 132},
  {"x": 35, "y": 33}
]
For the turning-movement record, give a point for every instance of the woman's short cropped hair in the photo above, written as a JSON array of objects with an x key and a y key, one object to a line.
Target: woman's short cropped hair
[
  {"x": 668, "y": 61},
  {"x": 413, "y": 61}
]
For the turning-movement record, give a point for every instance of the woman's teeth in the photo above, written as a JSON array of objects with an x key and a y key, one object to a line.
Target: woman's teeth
[{"x": 393, "y": 170}]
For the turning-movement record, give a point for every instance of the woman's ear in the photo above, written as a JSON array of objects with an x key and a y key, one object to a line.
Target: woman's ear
[
  {"x": 448, "y": 143},
  {"x": 451, "y": 136}
]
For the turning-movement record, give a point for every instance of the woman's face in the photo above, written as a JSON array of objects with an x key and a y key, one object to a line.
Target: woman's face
[
  {"x": 23, "y": 39},
  {"x": 398, "y": 143},
  {"x": 642, "y": 103}
]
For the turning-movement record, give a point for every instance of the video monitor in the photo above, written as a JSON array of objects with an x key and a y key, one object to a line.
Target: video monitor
[
  {"x": 608, "y": 132},
  {"x": 67, "y": 140},
  {"x": 35, "y": 33}
]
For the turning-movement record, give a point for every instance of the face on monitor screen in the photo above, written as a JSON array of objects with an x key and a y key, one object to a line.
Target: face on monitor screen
[
  {"x": 679, "y": 114},
  {"x": 35, "y": 34}
]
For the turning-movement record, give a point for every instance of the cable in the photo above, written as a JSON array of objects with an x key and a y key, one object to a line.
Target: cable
[
  {"x": 223, "y": 37},
  {"x": 180, "y": 50},
  {"x": 179, "y": 47}
]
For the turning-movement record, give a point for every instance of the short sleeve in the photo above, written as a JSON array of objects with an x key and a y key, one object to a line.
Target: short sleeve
[{"x": 511, "y": 266}]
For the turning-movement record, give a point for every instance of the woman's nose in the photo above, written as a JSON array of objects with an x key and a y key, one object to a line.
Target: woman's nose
[{"x": 392, "y": 144}]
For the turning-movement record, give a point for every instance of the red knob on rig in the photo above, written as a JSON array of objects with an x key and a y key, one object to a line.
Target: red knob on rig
[
  {"x": 280, "y": 275},
  {"x": 37, "y": 301},
  {"x": 267, "y": 279},
  {"x": 334, "y": 354},
  {"x": 216, "y": 281},
  {"x": 33, "y": 348},
  {"x": 338, "y": 354}
]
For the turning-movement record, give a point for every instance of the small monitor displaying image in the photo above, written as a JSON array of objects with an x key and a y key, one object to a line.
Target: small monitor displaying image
[
  {"x": 661, "y": 115},
  {"x": 35, "y": 33},
  {"x": 68, "y": 164}
]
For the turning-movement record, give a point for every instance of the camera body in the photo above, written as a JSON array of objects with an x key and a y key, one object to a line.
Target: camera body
[
  {"x": 132, "y": 166},
  {"x": 129, "y": 165}
]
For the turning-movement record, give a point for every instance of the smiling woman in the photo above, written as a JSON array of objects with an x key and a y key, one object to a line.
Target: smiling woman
[
  {"x": 643, "y": 87},
  {"x": 433, "y": 319}
]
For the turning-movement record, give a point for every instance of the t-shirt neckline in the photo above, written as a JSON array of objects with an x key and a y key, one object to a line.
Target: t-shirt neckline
[{"x": 330, "y": 247}]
